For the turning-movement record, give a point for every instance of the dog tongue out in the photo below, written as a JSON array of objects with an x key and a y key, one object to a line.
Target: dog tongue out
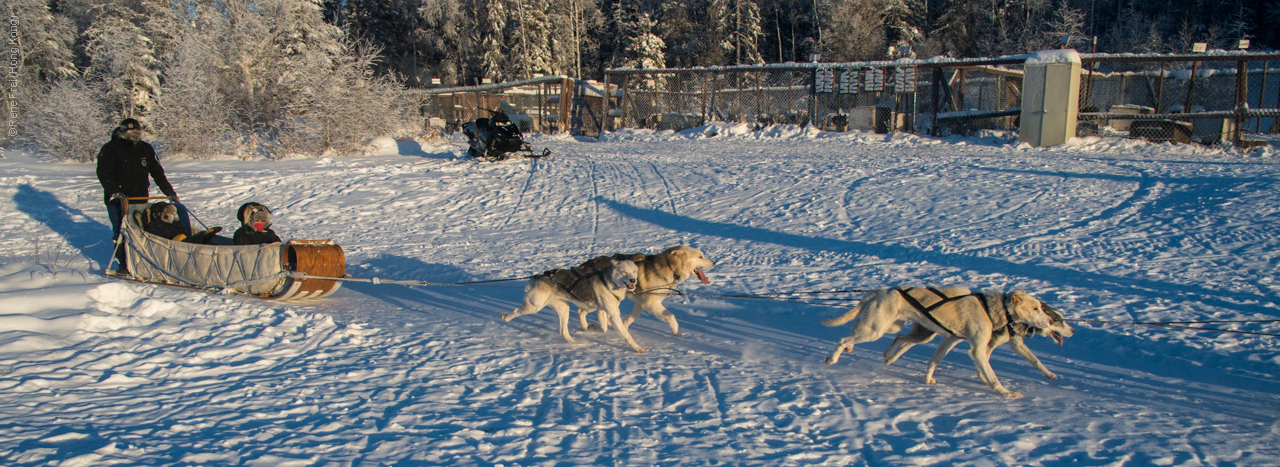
[
  {"x": 1056, "y": 338},
  {"x": 702, "y": 277},
  {"x": 259, "y": 226}
]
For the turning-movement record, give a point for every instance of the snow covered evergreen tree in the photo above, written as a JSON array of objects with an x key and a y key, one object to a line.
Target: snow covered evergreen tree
[
  {"x": 44, "y": 41},
  {"x": 390, "y": 25},
  {"x": 853, "y": 31},
  {"x": 491, "y": 21},
  {"x": 903, "y": 21},
  {"x": 679, "y": 33},
  {"x": 44, "y": 45},
  {"x": 123, "y": 57},
  {"x": 635, "y": 44},
  {"x": 439, "y": 36},
  {"x": 528, "y": 34},
  {"x": 744, "y": 33},
  {"x": 265, "y": 51},
  {"x": 714, "y": 22}
]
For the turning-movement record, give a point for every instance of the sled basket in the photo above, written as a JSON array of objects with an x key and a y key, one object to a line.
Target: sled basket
[{"x": 273, "y": 270}]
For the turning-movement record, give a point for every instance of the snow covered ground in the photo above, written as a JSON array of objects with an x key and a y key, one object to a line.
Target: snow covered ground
[{"x": 96, "y": 371}]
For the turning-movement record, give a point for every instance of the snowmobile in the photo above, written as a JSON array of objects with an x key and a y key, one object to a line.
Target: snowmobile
[{"x": 496, "y": 138}]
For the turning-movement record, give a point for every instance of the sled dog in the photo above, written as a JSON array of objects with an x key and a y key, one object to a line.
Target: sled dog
[
  {"x": 954, "y": 312},
  {"x": 1012, "y": 334},
  {"x": 659, "y": 274},
  {"x": 589, "y": 288}
]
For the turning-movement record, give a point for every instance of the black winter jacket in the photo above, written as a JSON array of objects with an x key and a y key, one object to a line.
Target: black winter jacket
[
  {"x": 123, "y": 167},
  {"x": 245, "y": 235}
]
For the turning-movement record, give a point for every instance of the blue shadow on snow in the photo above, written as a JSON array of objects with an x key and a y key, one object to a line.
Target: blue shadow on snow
[
  {"x": 981, "y": 264},
  {"x": 1181, "y": 362},
  {"x": 90, "y": 237}
]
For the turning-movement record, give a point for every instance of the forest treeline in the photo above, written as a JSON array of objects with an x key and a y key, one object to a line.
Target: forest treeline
[{"x": 276, "y": 77}]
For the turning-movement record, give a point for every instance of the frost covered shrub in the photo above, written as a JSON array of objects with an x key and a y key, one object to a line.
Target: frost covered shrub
[
  {"x": 188, "y": 117},
  {"x": 69, "y": 122},
  {"x": 341, "y": 108}
]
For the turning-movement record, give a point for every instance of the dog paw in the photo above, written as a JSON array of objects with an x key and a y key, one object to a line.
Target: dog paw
[
  {"x": 1013, "y": 395},
  {"x": 1051, "y": 376},
  {"x": 930, "y": 381},
  {"x": 830, "y": 360},
  {"x": 506, "y": 317},
  {"x": 642, "y": 350}
]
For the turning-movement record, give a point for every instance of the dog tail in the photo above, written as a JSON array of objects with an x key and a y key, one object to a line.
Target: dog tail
[{"x": 847, "y": 317}]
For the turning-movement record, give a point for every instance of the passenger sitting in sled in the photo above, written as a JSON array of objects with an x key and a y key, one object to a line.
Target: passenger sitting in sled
[
  {"x": 255, "y": 225},
  {"x": 161, "y": 219}
]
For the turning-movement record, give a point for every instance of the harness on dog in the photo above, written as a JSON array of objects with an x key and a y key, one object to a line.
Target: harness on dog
[
  {"x": 1004, "y": 307},
  {"x": 927, "y": 311},
  {"x": 575, "y": 279}
]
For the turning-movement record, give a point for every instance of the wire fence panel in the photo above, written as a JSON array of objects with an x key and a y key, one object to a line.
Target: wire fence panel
[{"x": 1205, "y": 98}]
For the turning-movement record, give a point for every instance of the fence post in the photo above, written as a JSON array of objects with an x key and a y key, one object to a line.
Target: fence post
[
  {"x": 622, "y": 106},
  {"x": 759, "y": 98},
  {"x": 1262, "y": 94},
  {"x": 604, "y": 105},
  {"x": 813, "y": 97},
  {"x": 709, "y": 100},
  {"x": 1191, "y": 86},
  {"x": 1242, "y": 101},
  {"x": 679, "y": 93},
  {"x": 1160, "y": 91},
  {"x": 937, "y": 100},
  {"x": 566, "y": 98}
]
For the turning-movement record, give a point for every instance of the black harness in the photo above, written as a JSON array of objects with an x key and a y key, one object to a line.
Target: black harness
[
  {"x": 927, "y": 311},
  {"x": 577, "y": 279}
]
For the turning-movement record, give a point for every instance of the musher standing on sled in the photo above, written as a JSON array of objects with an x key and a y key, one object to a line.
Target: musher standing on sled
[{"x": 123, "y": 166}]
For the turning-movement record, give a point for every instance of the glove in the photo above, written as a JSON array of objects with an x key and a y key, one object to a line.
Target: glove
[{"x": 116, "y": 197}]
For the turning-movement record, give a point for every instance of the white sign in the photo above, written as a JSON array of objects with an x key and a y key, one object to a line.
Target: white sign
[
  {"x": 904, "y": 80},
  {"x": 873, "y": 79},
  {"x": 1199, "y": 47},
  {"x": 824, "y": 80},
  {"x": 849, "y": 82},
  {"x": 1244, "y": 44}
]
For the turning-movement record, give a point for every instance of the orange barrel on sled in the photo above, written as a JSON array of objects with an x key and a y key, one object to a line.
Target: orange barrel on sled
[
  {"x": 282, "y": 271},
  {"x": 314, "y": 258}
]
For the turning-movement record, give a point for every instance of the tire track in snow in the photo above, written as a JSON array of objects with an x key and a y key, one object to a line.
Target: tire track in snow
[
  {"x": 528, "y": 182},
  {"x": 1145, "y": 194},
  {"x": 666, "y": 185},
  {"x": 595, "y": 205}
]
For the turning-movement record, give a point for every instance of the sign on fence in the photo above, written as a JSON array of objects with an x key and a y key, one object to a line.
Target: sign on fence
[
  {"x": 824, "y": 80},
  {"x": 904, "y": 80},
  {"x": 845, "y": 81},
  {"x": 849, "y": 81},
  {"x": 873, "y": 80}
]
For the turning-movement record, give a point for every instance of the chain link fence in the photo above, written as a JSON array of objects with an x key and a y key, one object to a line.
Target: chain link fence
[
  {"x": 1206, "y": 98},
  {"x": 905, "y": 95},
  {"x": 1201, "y": 98}
]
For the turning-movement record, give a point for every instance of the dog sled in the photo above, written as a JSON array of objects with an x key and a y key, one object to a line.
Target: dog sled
[{"x": 278, "y": 271}]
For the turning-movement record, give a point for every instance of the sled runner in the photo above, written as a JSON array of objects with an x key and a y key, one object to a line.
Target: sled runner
[
  {"x": 275, "y": 270},
  {"x": 496, "y": 138}
]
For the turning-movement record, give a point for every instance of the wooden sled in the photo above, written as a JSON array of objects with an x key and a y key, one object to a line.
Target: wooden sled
[{"x": 278, "y": 271}]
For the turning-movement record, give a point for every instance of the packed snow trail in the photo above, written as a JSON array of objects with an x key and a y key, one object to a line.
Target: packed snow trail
[{"x": 99, "y": 372}]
